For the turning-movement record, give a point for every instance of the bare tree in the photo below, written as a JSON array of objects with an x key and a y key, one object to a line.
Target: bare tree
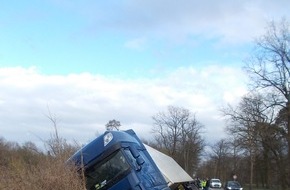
[
  {"x": 220, "y": 152},
  {"x": 113, "y": 125},
  {"x": 269, "y": 70},
  {"x": 236, "y": 155},
  {"x": 244, "y": 123},
  {"x": 56, "y": 145},
  {"x": 191, "y": 145},
  {"x": 178, "y": 134}
]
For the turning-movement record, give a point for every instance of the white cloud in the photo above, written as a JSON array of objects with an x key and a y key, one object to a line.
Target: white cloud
[
  {"x": 85, "y": 102},
  {"x": 230, "y": 21}
]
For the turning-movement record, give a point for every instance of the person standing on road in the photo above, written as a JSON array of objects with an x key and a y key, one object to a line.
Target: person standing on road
[
  {"x": 203, "y": 183},
  {"x": 198, "y": 183},
  {"x": 207, "y": 184}
]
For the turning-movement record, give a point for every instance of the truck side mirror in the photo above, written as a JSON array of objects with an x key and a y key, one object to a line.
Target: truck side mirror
[
  {"x": 140, "y": 161},
  {"x": 134, "y": 152}
]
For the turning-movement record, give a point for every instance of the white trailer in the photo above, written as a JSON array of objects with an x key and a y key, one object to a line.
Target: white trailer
[{"x": 171, "y": 170}]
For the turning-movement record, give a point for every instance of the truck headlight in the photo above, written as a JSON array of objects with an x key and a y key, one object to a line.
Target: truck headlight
[{"x": 108, "y": 138}]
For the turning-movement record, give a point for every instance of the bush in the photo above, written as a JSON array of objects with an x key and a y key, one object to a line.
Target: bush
[{"x": 29, "y": 169}]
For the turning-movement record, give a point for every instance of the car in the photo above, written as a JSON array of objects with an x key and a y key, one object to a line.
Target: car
[
  {"x": 215, "y": 183},
  {"x": 233, "y": 185}
]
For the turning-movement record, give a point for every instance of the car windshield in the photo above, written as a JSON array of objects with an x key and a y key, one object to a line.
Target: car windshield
[
  {"x": 234, "y": 184},
  {"x": 215, "y": 180},
  {"x": 101, "y": 174}
]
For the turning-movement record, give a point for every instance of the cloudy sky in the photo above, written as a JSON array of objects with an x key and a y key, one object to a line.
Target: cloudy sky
[{"x": 92, "y": 61}]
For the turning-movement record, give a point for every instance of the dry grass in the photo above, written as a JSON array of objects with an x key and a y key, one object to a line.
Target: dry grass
[
  {"x": 26, "y": 169},
  {"x": 49, "y": 173}
]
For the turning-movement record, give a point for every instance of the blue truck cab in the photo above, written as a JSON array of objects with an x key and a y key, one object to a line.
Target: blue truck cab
[{"x": 118, "y": 160}]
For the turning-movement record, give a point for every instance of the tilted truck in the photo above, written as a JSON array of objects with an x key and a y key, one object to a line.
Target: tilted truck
[{"x": 118, "y": 160}]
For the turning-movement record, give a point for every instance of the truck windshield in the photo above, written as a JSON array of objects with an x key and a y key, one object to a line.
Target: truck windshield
[{"x": 106, "y": 173}]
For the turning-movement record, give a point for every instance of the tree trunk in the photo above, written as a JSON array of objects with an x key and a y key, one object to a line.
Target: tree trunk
[
  {"x": 288, "y": 141},
  {"x": 251, "y": 169}
]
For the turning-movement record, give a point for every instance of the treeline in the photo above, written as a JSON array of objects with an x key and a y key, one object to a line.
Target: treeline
[
  {"x": 258, "y": 143},
  {"x": 264, "y": 170}
]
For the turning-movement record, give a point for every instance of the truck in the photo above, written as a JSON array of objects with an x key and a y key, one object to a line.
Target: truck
[{"x": 118, "y": 160}]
